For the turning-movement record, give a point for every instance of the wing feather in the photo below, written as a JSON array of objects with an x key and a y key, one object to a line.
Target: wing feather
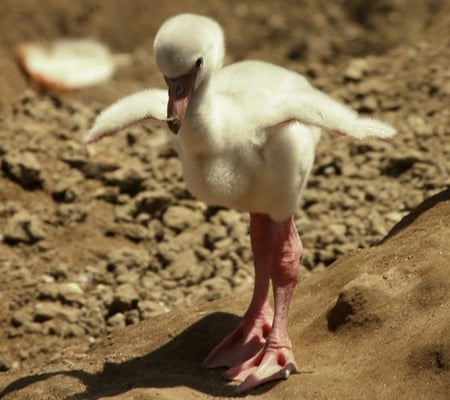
[
  {"x": 149, "y": 104},
  {"x": 312, "y": 107}
]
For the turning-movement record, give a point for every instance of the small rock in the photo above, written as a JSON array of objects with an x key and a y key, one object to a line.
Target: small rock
[
  {"x": 5, "y": 364},
  {"x": 126, "y": 258},
  {"x": 356, "y": 69},
  {"x": 46, "y": 311},
  {"x": 133, "y": 232},
  {"x": 152, "y": 202},
  {"x": 180, "y": 218},
  {"x": 23, "y": 227},
  {"x": 108, "y": 194},
  {"x": 128, "y": 179},
  {"x": 149, "y": 308},
  {"x": 125, "y": 212},
  {"x": 358, "y": 302},
  {"x": 132, "y": 317},
  {"x": 128, "y": 277},
  {"x": 117, "y": 320},
  {"x": 32, "y": 327},
  {"x": 70, "y": 293},
  {"x": 91, "y": 275},
  {"x": 229, "y": 218},
  {"x": 91, "y": 167},
  {"x": 149, "y": 281},
  {"x": 20, "y": 318},
  {"x": 369, "y": 104},
  {"x": 105, "y": 294},
  {"x": 72, "y": 213},
  {"x": 66, "y": 190},
  {"x": 63, "y": 329},
  {"x": 224, "y": 265},
  {"x": 182, "y": 266},
  {"x": 125, "y": 298},
  {"x": 217, "y": 287},
  {"x": 419, "y": 125},
  {"x": 24, "y": 168},
  {"x": 59, "y": 271},
  {"x": 338, "y": 231},
  {"x": 214, "y": 234},
  {"x": 74, "y": 330},
  {"x": 156, "y": 230},
  {"x": 46, "y": 278}
]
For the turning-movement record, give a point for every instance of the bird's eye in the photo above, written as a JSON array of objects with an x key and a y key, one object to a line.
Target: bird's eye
[{"x": 199, "y": 63}]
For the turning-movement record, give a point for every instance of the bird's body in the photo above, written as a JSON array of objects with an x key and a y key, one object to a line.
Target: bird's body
[
  {"x": 246, "y": 135},
  {"x": 232, "y": 159}
]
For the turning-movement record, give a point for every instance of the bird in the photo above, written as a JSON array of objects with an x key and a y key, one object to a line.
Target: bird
[{"x": 246, "y": 135}]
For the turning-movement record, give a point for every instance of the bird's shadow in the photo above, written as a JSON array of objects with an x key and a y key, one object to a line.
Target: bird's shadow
[{"x": 176, "y": 363}]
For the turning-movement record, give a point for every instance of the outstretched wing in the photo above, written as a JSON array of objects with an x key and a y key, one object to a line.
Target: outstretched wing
[
  {"x": 312, "y": 107},
  {"x": 270, "y": 96},
  {"x": 146, "y": 105}
]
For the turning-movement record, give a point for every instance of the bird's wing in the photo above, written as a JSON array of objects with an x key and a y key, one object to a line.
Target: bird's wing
[
  {"x": 270, "y": 96},
  {"x": 146, "y": 105},
  {"x": 313, "y": 107}
]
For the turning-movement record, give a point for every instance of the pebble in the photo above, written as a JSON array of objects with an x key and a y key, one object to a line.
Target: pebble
[
  {"x": 59, "y": 271},
  {"x": 125, "y": 298},
  {"x": 358, "y": 302},
  {"x": 20, "y": 318},
  {"x": 419, "y": 126},
  {"x": 72, "y": 213},
  {"x": 132, "y": 277},
  {"x": 5, "y": 364},
  {"x": 180, "y": 218},
  {"x": 338, "y": 232},
  {"x": 128, "y": 179},
  {"x": 356, "y": 69},
  {"x": 117, "y": 320},
  {"x": 107, "y": 193},
  {"x": 135, "y": 233},
  {"x": 149, "y": 308},
  {"x": 66, "y": 190},
  {"x": 93, "y": 167},
  {"x": 369, "y": 104},
  {"x": 23, "y": 227},
  {"x": 151, "y": 202},
  {"x": 127, "y": 258},
  {"x": 24, "y": 168},
  {"x": 181, "y": 267},
  {"x": 70, "y": 292},
  {"x": 44, "y": 311},
  {"x": 63, "y": 329}
]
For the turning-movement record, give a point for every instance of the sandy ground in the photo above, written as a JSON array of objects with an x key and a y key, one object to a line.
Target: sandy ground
[{"x": 98, "y": 244}]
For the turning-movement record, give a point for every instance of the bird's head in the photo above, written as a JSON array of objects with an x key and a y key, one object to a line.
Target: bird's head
[{"x": 187, "y": 49}]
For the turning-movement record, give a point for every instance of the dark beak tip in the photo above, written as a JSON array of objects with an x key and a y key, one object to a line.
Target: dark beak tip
[{"x": 174, "y": 125}]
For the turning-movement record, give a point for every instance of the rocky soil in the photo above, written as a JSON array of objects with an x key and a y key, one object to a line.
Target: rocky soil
[{"x": 93, "y": 239}]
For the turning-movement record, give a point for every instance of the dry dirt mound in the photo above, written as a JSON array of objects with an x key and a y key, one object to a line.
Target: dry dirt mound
[
  {"x": 95, "y": 239},
  {"x": 374, "y": 325}
]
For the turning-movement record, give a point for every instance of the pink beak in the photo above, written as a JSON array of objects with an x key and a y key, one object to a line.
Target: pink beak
[{"x": 180, "y": 93}]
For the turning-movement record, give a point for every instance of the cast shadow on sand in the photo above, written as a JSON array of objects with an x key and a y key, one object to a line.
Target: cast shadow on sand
[{"x": 176, "y": 363}]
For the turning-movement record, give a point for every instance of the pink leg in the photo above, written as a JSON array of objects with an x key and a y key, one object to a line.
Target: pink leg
[
  {"x": 276, "y": 361},
  {"x": 277, "y": 251},
  {"x": 250, "y": 336}
]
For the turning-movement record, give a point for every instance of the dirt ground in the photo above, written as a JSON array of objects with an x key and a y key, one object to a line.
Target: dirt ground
[{"x": 98, "y": 244}]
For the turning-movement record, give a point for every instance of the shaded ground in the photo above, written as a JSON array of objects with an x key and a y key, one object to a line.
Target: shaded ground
[
  {"x": 378, "y": 328},
  {"x": 96, "y": 239}
]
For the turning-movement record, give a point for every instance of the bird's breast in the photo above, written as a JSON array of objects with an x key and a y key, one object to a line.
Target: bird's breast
[{"x": 217, "y": 178}]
